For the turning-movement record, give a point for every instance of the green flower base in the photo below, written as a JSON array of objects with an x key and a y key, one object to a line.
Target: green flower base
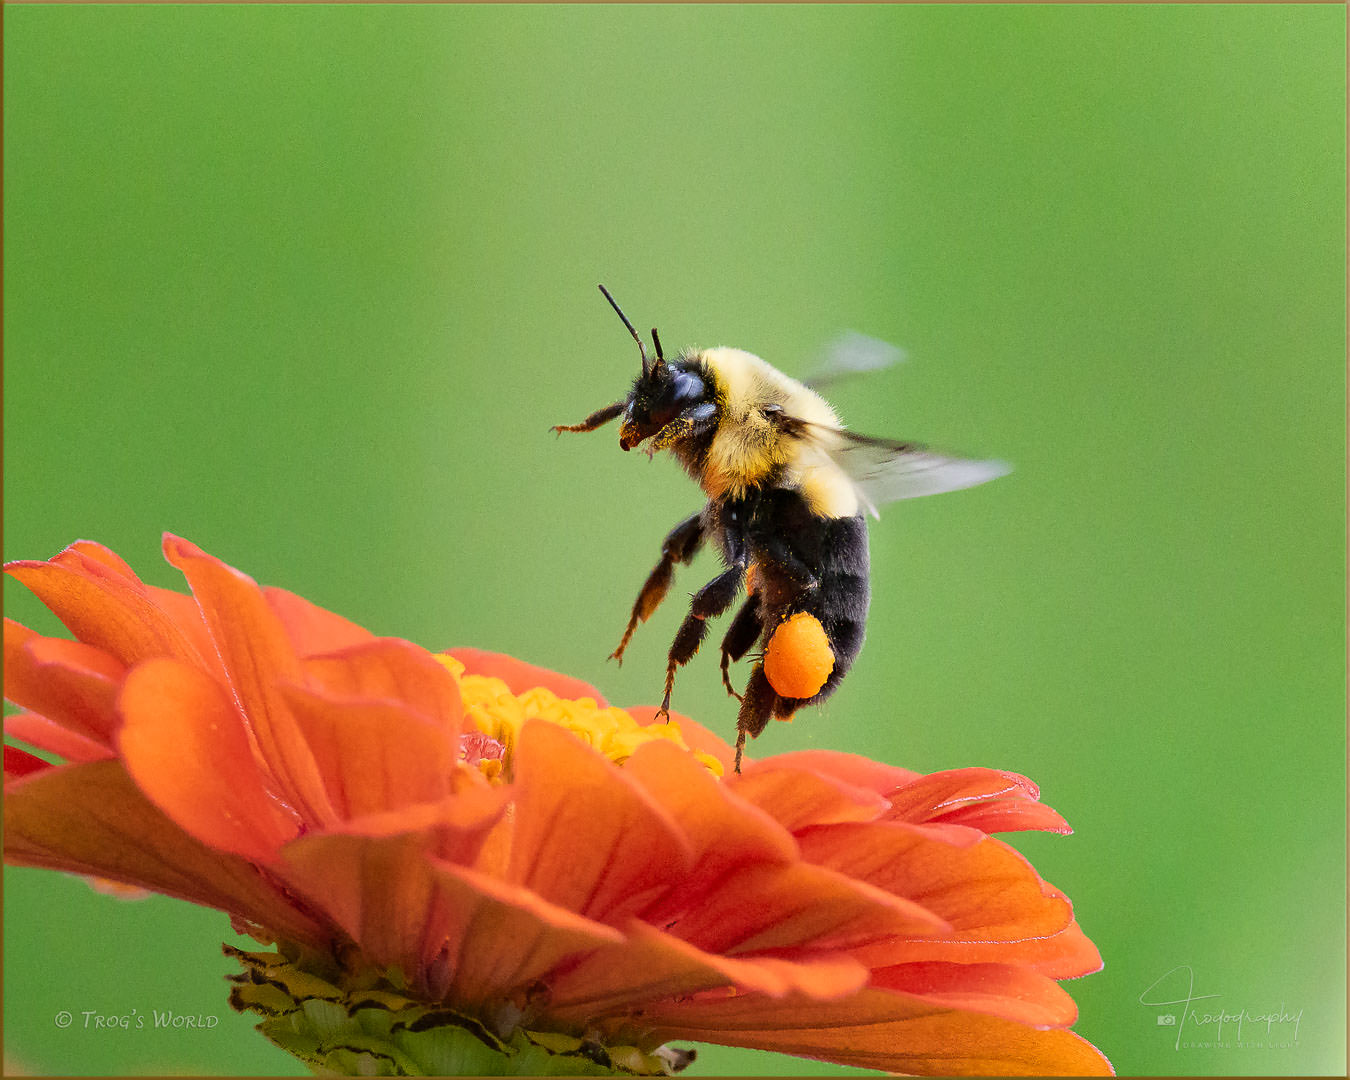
[{"x": 377, "y": 1031}]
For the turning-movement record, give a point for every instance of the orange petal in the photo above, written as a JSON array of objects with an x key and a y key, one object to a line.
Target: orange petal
[
  {"x": 92, "y": 549},
  {"x": 373, "y": 755},
  {"x": 723, "y": 830},
  {"x": 20, "y": 763},
  {"x": 1065, "y": 955},
  {"x": 880, "y": 1029},
  {"x": 377, "y": 889},
  {"x": 187, "y": 616},
  {"x": 313, "y": 629},
  {"x": 455, "y": 827},
  {"x": 797, "y": 798},
  {"x": 1006, "y": 990},
  {"x": 184, "y": 743},
  {"x": 586, "y": 837},
  {"x": 51, "y": 738},
  {"x": 70, "y": 683},
  {"x": 498, "y": 938},
  {"x": 520, "y": 676},
  {"x": 999, "y": 908},
  {"x": 103, "y": 608},
  {"x": 393, "y": 670},
  {"x": 765, "y": 907},
  {"x": 652, "y": 966},
  {"x": 257, "y": 656},
  {"x": 1008, "y": 815},
  {"x": 92, "y": 819},
  {"x": 985, "y": 799},
  {"x": 852, "y": 769},
  {"x": 447, "y": 928}
]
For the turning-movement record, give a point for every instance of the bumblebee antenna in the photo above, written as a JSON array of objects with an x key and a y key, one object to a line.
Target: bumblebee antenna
[
  {"x": 659, "y": 358},
  {"x": 646, "y": 364}
]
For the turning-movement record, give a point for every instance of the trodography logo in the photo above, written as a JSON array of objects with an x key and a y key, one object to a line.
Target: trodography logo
[{"x": 1209, "y": 1022}]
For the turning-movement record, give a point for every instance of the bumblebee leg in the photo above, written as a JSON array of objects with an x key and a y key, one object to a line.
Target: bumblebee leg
[
  {"x": 679, "y": 546},
  {"x": 710, "y": 601},
  {"x": 756, "y": 708},
  {"x": 595, "y": 420},
  {"x": 744, "y": 629}
]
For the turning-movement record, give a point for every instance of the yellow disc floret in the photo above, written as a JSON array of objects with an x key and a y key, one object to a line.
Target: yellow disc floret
[{"x": 499, "y": 714}]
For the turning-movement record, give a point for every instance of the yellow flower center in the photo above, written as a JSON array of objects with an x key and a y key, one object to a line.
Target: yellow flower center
[{"x": 499, "y": 715}]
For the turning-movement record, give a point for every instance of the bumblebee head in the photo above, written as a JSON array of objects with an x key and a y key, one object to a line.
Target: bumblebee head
[
  {"x": 666, "y": 393},
  {"x": 670, "y": 393}
]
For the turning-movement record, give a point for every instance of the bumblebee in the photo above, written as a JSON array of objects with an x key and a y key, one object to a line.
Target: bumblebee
[{"x": 787, "y": 488}]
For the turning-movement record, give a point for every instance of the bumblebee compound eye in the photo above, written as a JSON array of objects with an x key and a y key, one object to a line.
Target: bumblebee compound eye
[
  {"x": 668, "y": 395},
  {"x": 679, "y": 392},
  {"x": 799, "y": 657}
]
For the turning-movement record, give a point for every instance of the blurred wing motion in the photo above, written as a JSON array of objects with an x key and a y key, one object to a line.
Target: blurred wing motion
[
  {"x": 852, "y": 354},
  {"x": 883, "y": 470}
]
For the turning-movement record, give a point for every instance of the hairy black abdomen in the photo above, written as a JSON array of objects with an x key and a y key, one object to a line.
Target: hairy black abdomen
[{"x": 814, "y": 564}]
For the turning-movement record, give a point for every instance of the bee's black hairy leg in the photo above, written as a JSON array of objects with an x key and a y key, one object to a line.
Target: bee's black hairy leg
[
  {"x": 744, "y": 630},
  {"x": 756, "y": 707},
  {"x": 679, "y": 546},
  {"x": 726, "y": 681},
  {"x": 709, "y": 602}
]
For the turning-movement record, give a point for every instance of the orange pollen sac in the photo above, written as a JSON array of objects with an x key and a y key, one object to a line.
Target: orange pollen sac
[{"x": 799, "y": 658}]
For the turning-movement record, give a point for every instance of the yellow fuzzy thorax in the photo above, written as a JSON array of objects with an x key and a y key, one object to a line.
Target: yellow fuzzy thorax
[{"x": 750, "y": 447}]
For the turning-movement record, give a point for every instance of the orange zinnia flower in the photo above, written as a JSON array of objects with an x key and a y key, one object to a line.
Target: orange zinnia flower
[{"x": 467, "y": 863}]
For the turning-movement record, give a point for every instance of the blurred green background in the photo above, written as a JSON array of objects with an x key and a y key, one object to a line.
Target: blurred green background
[{"x": 309, "y": 284}]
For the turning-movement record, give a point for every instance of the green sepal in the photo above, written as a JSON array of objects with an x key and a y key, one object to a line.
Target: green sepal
[{"x": 377, "y": 1031}]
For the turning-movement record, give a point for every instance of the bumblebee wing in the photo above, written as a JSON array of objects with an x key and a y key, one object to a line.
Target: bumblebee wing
[
  {"x": 883, "y": 470},
  {"x": 851, "y": 354}
]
